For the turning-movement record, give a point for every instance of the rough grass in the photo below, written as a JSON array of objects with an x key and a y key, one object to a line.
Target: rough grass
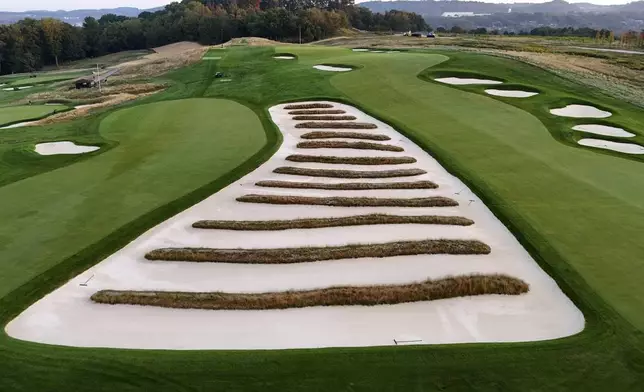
[
  {"x": 303, "y": 171},
  {"x": 352, "y": 145},
  {"x": 351, "y": 160},
  {"x": 345, "y": 135},
  {"x": 348, "y": 186},
  {"x": 323, "y": 118},
  {"x": 433, "y": 201},
  {"x": 336, "y": 125},
  {"x": 315, "y": 253},
  {"x": 309, "y": 106},
  {"x": 428, "y": 290},
  {"x": 322, "y": 111},
  {"x": 316, "y": 223}
]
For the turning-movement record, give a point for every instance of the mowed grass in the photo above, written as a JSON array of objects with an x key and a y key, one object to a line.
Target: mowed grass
[
  {"x": 579, "y": 213},
  {"x": 14, "y": 114}
]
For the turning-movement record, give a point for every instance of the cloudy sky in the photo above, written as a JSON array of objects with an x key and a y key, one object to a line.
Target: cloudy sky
[{"x": 24, "y": 5}]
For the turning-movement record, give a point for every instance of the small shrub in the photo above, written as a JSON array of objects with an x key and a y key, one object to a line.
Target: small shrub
[
  {"x": 316, "y": 223},
  {"x": 433, "y": 201},
  {"x": 328, "y": 111},
  {"x": 323, "y": 118},
  {"x": 336, "y": 125},
  {"x": 351, "y": 145},
  {"x": 302, "y": 171},
  {"x": 311, "y": 254},
  {"x": 344, "y": 135},
  {"x": 428, "y": 290},
  {"x": 352, "y": 160},
  {"x": 348, "y": 186},
  {"x": 309, "y": 106}
]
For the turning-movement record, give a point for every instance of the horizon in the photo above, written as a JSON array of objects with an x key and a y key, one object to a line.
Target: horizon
[{"x": 69, "y": 5}]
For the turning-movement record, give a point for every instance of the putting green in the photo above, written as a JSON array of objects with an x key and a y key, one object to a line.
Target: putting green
[{"x": 14, "y": 114}]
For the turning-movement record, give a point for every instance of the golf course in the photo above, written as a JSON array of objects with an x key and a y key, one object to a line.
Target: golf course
[{"x": 308, "y": 218}]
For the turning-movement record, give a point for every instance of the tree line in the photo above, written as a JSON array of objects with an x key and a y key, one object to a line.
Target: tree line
[{"x": 30, "y": 44}]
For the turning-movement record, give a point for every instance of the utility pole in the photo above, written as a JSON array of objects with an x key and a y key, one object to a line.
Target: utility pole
[
  {"x": 300, "y": 29},
  {"x": 98, "y": 77}
]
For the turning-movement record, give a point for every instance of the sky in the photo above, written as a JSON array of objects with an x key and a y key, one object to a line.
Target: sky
[{"x": 25, "y": 5}]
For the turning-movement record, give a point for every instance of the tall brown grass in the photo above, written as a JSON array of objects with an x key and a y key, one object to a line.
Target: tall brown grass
[
  {"x": 433, "y": 201},
  {"x": 311, "y": 254},
  {"x": 316, "y": 223},
  {"x": 328, "y": 111},
  {"x": 323, "y": 118},
  {"x": 344, "y": 135},
  {"x": 351, "y": 160},
  {"x": 351, "y": 145},
  {"x": 303, "y": 171},
  {"x": 336, "y": 125},
  {"x": 309, "y": 106},
  {"x": 348, "y": 186},
  {"x": 428, "y": 290}
]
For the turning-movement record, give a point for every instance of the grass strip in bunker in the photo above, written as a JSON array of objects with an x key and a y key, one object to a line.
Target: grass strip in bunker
[
  {"x": 303, "y": 171},
  {"x": 433, "y": 201},
  {"x": 344, "y": 135},
  {"x": 348, "y": 186},
  {"x": 321, "y": 253},
  {"x": 320, "y": 111},
  {"x": 323, "y": 118},
  {"x": 428, "y": 290},
  {"x": 316, "y": 223},
  {"x": 350, "y": 145},
  {"x": 336, "y": 125},
  {"x": 351, "y": 160},
  {"x": 309, "y": 106}
]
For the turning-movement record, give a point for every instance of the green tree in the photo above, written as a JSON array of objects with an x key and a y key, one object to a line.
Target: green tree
[{"x": 53, "y": 30}]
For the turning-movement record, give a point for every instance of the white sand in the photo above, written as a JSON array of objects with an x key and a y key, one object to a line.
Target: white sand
[
  {"x": 211, "y": 58},
  {"x": 465, "y": 81},
  {"x": 626, "y": 148},
  {"x": 511, "y": 93},
  {"x": 19, "y": 88},
  {"x": 19, "y": 125},
  {"x": 284, "y": 57},
  {"x": 58, "y": 148},
  {"x": 580, "y": 111},
  {"x": 360, "y": 50},
  {"x": 68, "y": 317},
  {"x": 603, "y": 130},
  {"x": 331, "y": 68}
]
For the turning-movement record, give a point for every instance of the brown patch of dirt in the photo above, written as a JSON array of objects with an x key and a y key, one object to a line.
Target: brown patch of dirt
[
  {"x": 163, "y": 59},
  {"x": 250, "y": 41}
]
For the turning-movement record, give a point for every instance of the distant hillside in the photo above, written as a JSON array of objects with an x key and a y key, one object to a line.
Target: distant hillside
[{"x": 74, "y": 17}]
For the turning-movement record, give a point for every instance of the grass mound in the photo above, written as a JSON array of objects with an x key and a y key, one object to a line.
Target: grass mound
[
  {"x": 348, "y": 186},
  {"x": 428, "y": 290},
  {"x": 352, "y": 145},
  {"x": 313, "y": 253},
  {"x": 302, "y": 171},
  {"x": 309, "y": 106},
  {"x": 323, "y": 118},
  {"x": 351, "y": 160},
  {"x": 345, "y": 135},
  {"x": 336, "y": 125},
  {"x": 322, "y": 111},
  {"x": 316, "y": 223},
  {"x": 434, "y": 201}
]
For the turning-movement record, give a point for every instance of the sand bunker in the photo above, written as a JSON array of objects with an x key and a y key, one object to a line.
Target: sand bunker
[
  {"x": 626, "y": 148},
  {"x": 18, "y": 125},
  {"x": 360, "y": 50},
  {"x": 465, "y": 81},
  {"x": 331, "y": 68},
  {"x": 211, "y": 58},
  {"x": 68, "y": 317},
  {"x": 19, "y": 88},
  {"x": 603, "y": 130},
  {"x": 580, "y": 111},
  {"x": 511, "y": 93},
  {"x": 284, "y": 57},
  {"x": 59, "y": 148}
]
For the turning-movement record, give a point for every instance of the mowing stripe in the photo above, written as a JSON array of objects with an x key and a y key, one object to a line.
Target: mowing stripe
[
  {"x": 328, "y": 111},
  {"x": 348, "y": 186},
  {"x": 313, "y": 253},
  {"x": 351, "y": 160},
  {"x": 336, "y": 125},
  {"x": 433, "y": 201},
  {"x": 316, "y": 223},
  {"x": 344, "y": 135},
  {"x": 323, "y": 118},
  {"x": 304, "y": 171},
  {"x": 351, "y": 145},
  {"x": 428, "y": 290},
  {"x": 309, "y": 106}
]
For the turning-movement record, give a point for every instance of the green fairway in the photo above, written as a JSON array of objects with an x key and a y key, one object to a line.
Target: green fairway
[
  {"x": 580, "y": 212},
  {"x": 15, "y": 114},
  {"x": 47, "y": 78}
]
